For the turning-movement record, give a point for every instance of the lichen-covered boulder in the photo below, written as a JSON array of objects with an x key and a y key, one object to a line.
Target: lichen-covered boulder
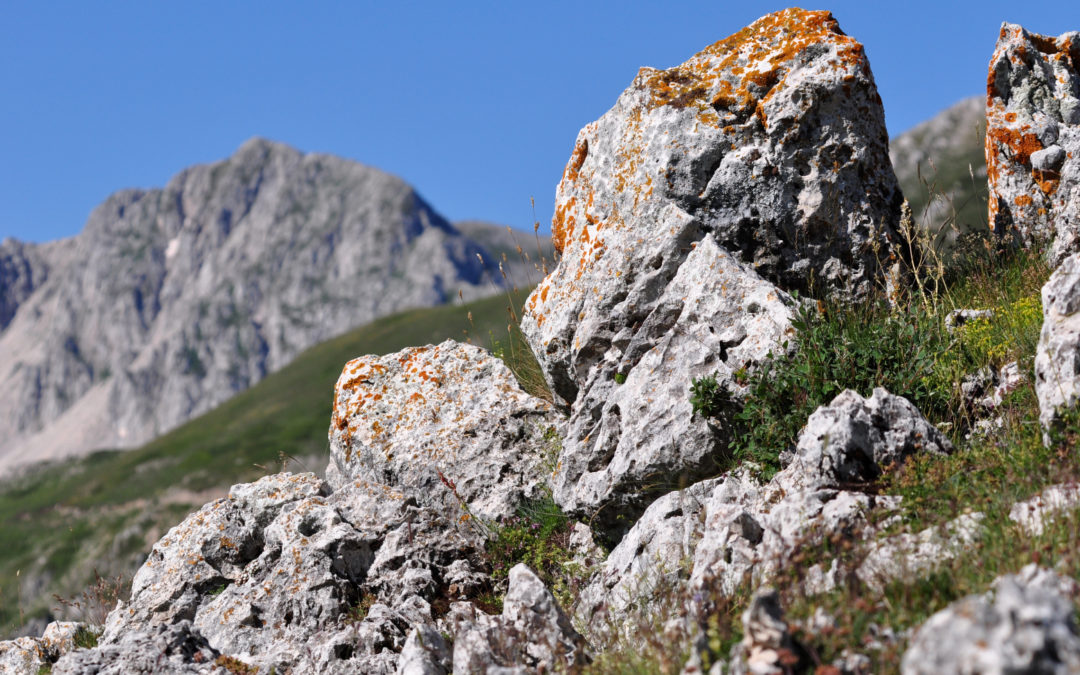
[
  {"x": 283, "y": 574},
  {"x": 34, "y": 654},
  {"x": 1026, "y": 624},
  {"x": 1033, "y": 139},
  {"x": 759, "y": 166},
  {"x": 1057, "y": 357},
  {"x": 444, "y": 424}
]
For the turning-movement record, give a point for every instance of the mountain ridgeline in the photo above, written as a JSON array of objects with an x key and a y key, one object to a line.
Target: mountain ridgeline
[{"x": 173, "y": 300}]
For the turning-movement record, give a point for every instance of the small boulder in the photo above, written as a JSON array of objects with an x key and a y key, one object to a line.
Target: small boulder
[
  {"x": 1025, "y": 624},
  {"x": 532, "y": 634},
  {"x": 1033, "y": 139},
  {"x": 853, "y": 438},
  {"x": 447, "y": 425}
]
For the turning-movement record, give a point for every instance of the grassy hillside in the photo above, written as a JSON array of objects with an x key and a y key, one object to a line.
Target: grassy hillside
[{"x": 63, "y": 521}]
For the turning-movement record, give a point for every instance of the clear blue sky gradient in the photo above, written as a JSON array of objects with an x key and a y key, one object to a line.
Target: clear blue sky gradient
[{"x": 475, "y": 104}]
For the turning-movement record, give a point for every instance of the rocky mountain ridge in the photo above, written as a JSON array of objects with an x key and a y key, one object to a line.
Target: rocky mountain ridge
[
  {"x": 172, "y": 300},
  {"x": 390, "y": 565}
]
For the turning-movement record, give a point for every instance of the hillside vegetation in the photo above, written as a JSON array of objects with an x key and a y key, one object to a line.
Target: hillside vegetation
[{"x": 104, "y": 511}]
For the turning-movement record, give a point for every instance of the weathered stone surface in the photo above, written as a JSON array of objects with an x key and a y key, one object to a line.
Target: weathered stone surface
[
  {"x": 1025, "y": 624},
  {"x": 29, "y": 654},
  {"x": 907, "y": 556},
  {"x": 532, "y": 634},
  {"x": 1057, "y": 357},
  {"x": 272, "y": 575},
  {"x": 853, "y": 438},
  {"x": 161, "y": 648},
  {"x": 1034, "y": 514},
  {"x": 767, "y": 647},
  {"x": 758, "y": 166},
  {"x": 636, "y": 436},
  {"x": 1033, "y": 139},
  {"x": 733, "y": 532},
  {"x": 172, "y": 300},
  {"x": 451, "y": 409},
  {"x": 425, "y": 653},
  {"x": 653, "y": 556}
]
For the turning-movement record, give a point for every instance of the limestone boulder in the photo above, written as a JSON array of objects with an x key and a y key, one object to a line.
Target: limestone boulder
[
  {"x": 683, "y": 217},
  {"x": 1057, "y": 357},
  {"x": 737, "y": 531},
  {"x": 447, "y": 425},
  {"x": 1025, "y": 624},
  {"x": 283, "y": 574},
  {"x": 533, "y": 633},
  {"x": 1033, "y": 139}
]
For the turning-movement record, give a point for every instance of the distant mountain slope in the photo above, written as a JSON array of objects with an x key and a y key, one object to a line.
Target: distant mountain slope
[
  {"x": 102, "y": 512},
  {"x": 173, "y": 300},
  {"x": 947, "y": 151},
  {"x": 524, "y": 268}
]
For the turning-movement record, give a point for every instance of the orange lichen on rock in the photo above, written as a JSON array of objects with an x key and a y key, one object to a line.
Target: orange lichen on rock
[{"x": 743, "y": 69}]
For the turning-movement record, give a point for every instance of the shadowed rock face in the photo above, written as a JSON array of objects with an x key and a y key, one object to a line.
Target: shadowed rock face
[
  {"x": 757, "y": 167},
  {"x": 172, "y": 300},
  {"x": 1033, "y": 139}
]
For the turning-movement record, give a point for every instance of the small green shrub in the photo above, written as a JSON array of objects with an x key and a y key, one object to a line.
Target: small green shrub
[
  {"x": 836, "y": 350},
  {"x": 538, "y": 536},
  {"x": 85, "y": 637}
]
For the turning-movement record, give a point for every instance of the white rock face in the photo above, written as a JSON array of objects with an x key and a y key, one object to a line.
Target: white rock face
[
  {"x": 1033, "y": 139},
  {"x": 1057, "y": 357},
  {"x": 29, "y": 654},
  {"x": 1034, "y": 514},
  {"x": 1024, "y": 625},
  {"x": 451, "y": 409},
  {"x": 172, "y": 300},
  {"x": 532, "y": 634},
  {"x": 736, "y": 532},
  {"x": 758, "y": 166},
  {"x": 271, "y": 575}
]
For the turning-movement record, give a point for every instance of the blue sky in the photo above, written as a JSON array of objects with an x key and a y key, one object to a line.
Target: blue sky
[{"x": 476, "y": 104}]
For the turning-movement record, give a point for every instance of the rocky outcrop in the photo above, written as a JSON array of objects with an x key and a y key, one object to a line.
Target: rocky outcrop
[
  {"x": 736, "y": 531},
  {"x": 447, "y": 425},
  {"x": 161, "y": 648},
  {"x": 285, "y": 574},
  {"x": 32, "y": 654},
  {"x": 684, "y": 214},
  {"x": 1057, "y": 357},
  {"x": 532, "y": 634},
  {"x": 1033, "y": 139},
  {"x": 1026, "y": 624},
  {"x": 172, "y": 300}
]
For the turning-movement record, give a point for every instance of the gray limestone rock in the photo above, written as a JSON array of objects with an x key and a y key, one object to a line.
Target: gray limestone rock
[
  {"x": 734, "y": 532},
  {"x": 1026, "y": 624},
  {"x": 1057, "y": 357},
  {"x": 426, "y": 652},
  {"x": 758, "y": 166},
  {"x": 850, "y": 440},
  {"x": 767, "y": 647},
  {"x": 445, "y": 424},
  {"x": 1035, "y": 514},
  {"x": 1033, "y": 139},
  {"x": 532, "y": 634},
  {"x": 159, "y": 648},
  {"x": 172, "y": 300},
  {"x": 274, "y": 575},
  {"x": 31, "y": 654}
]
